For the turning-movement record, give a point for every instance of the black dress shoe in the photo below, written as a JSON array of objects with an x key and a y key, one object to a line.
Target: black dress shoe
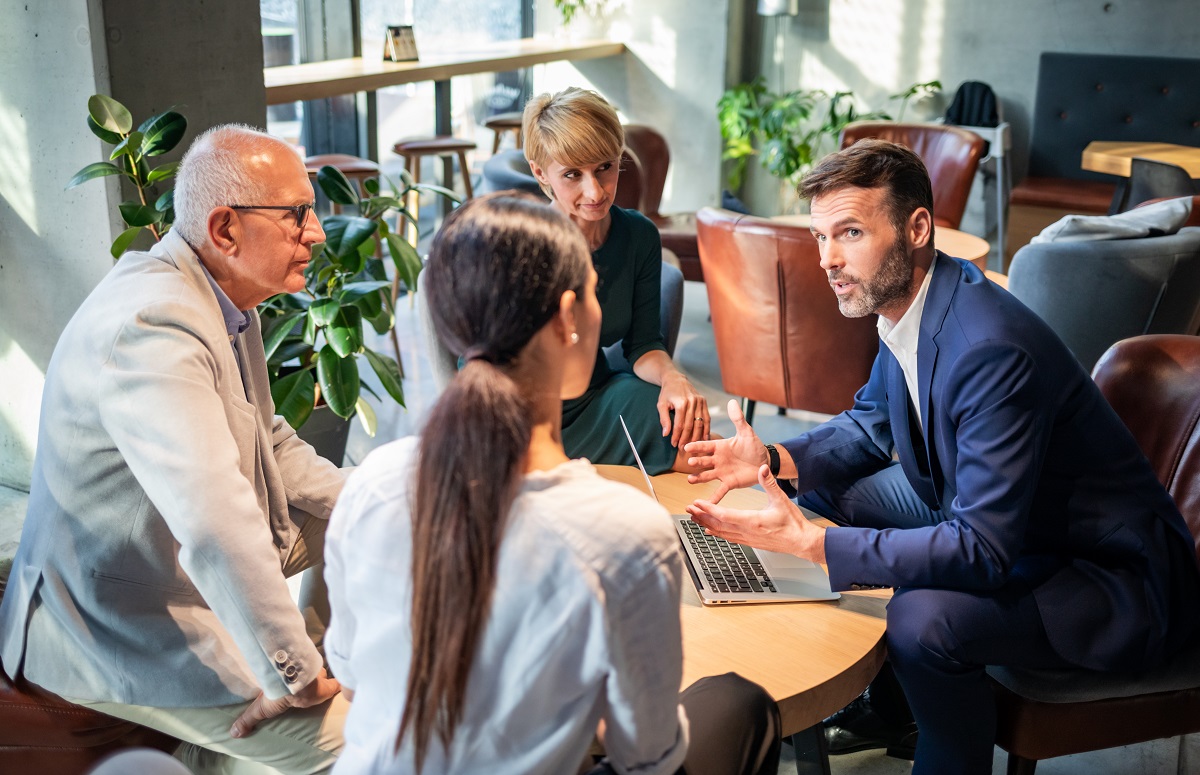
[{"x": 858, "y": 727}]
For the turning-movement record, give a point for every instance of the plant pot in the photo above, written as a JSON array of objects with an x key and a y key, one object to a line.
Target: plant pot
[{"x": 327, "y": 433}]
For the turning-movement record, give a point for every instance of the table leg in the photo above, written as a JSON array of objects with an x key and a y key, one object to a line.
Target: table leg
[
  {"x": 812, "y": 756},
  {"x": 441, "y": 126}
]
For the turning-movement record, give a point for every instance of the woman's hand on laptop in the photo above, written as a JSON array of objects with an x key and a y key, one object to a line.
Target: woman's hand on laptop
[
  {"x": 780, "y": 527},
  {"x": 734, "y": 462}
]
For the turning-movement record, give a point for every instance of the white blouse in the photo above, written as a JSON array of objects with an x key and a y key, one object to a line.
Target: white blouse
[{"x": 584, "y": 625}]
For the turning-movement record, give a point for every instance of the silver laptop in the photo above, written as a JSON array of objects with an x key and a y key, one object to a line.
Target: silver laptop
[{"x": 726, "y": 573}]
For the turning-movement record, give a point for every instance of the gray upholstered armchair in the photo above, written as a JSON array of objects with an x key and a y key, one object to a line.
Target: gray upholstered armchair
[{"x": 1094, "y": 294}]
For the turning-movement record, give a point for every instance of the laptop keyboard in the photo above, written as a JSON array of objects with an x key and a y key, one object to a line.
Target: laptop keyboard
[{"x": 726, "y": 567}]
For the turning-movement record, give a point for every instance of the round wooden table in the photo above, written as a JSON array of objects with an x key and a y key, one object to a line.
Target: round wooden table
[
  {"x": 952, "y": 242},
  {"x": 813, "y": 658}
]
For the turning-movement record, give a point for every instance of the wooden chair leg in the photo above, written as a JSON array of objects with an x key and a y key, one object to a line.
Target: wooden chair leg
[
  {"x": 466, "y": 174},
  {"x": 496, "y": 142}
]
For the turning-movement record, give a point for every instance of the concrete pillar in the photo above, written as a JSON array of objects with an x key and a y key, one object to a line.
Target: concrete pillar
[{"x": 203, "y": 58}]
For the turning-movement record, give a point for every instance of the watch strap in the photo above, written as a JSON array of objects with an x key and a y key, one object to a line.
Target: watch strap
[{"x": 773, "y": 459}]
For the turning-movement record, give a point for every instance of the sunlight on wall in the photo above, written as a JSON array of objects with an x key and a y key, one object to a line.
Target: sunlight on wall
[
  {"x": 658, "y": 52},
  {"x": 19, "y": 407},
  {"x": 876, "y": 47},
  {"x": 16, "y": 168}
]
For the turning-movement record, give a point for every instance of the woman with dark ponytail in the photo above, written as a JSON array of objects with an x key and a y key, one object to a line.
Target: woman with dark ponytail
[{"x": 494, "y": 602}]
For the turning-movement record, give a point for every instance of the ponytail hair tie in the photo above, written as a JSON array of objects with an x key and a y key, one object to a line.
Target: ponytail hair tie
[{"x": 477, "y": 353}]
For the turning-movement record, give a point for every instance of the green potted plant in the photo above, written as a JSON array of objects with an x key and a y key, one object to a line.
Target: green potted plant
[
  {"x": 789, "y": 132},
  {"x": 314, "y": 339},
  {"x": 133, "y": 149}
]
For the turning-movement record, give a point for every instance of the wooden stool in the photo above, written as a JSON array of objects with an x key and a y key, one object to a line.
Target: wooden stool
[
  {"x": 356, "y": 169},
  {"x": 505, "y": 122},
  {"x": 417, "y": 148}
]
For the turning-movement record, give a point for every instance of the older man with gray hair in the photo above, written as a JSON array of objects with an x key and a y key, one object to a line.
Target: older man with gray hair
[{"x": 168, "y": 502}]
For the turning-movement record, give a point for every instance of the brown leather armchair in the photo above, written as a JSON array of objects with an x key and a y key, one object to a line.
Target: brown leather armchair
[
  {"x": 40, "y": 732},
  {"x": 779, "y": 334},
  {"x": 1153, "y": 382},
  {"x": 678, "y": 231},
  {"x": 950, "y": 154}
]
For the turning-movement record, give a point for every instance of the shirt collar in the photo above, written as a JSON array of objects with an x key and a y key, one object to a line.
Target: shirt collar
[
  {"x": 904, "y": 334},
  {"x": 236, "y": 321}
]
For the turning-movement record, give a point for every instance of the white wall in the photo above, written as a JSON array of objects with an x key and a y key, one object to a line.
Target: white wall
[
  {"x": 204, "y": 58},
  {"x": 52, "y": 242},
  {"x": 878, "y": 47},
  {"x": 670, "y": 80}
]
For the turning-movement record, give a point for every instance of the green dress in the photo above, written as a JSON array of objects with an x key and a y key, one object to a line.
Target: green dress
[{"x": 629, "y": 265}]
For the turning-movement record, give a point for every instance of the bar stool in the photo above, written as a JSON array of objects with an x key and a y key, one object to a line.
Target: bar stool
[
  {"x": 357, "y": 170},
  {"x": 502, "y": 123},
  {"x": 414, "y": 150}
]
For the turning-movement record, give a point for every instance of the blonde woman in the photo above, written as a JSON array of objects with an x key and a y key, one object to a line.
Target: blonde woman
[{"x": 573, "y": 141}]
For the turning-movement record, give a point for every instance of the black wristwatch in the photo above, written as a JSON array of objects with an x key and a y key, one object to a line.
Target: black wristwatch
[{"x": 773, "y": 459}]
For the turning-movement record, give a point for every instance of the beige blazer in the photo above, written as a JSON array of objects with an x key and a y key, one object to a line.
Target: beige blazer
[{"x": 164, "y": 500}]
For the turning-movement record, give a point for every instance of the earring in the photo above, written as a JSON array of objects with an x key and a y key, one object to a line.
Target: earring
[{"x": 574, "y": 338}]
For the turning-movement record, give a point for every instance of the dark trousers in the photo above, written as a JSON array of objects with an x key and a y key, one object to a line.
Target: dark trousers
[
  {"x": 733, "y": 729},
  {"x": 939, "y": 640}
]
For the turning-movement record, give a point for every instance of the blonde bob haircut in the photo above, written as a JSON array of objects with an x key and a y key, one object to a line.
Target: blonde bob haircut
[{"x": 575, "y": 127}]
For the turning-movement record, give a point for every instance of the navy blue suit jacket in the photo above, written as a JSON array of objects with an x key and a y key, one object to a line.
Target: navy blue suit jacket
[{"x": 1040, "y": 479}]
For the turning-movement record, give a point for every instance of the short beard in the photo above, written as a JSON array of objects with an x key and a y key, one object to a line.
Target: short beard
[{"x": 890, "y": 284}]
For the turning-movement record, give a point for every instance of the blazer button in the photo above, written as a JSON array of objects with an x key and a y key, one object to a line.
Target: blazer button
[
  {"x": 290, "y": 673},
  {"x": 280, "y": 657}
]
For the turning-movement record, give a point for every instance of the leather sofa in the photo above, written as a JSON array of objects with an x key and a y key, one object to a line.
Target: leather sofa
[
  {"x": 1086, "y": 97},
  {"x": 42, "y": 733}
]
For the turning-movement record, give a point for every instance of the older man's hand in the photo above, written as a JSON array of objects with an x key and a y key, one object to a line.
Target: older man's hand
[
  {"x": 780, "y": 527},
  {"x": 320, "y": 689}
]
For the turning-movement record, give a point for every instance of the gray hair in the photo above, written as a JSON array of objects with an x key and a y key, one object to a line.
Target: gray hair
[{"x": 213, "y": 174}]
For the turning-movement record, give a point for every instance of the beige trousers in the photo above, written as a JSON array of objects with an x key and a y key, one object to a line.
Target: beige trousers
[{"x": 298, "y": 742}]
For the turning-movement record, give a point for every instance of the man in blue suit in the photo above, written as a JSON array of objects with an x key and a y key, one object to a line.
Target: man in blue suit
[{"x": 980, "y": 473}]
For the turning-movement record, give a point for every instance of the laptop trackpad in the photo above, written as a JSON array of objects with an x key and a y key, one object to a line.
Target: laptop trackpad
[{"x": 779, "y": 561}]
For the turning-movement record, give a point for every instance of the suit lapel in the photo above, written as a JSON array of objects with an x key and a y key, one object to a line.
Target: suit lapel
[{"x": 937, "y": 305}]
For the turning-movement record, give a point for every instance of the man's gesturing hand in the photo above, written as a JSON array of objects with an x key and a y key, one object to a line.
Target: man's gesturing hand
[
  {"x": 734, "y": 461},
  {"x": 780, "y": 527},
  {"x": 319, "y": 690}
]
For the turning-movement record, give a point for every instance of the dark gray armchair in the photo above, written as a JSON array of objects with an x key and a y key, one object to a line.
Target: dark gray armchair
[{"x": 1094, "y": 294}]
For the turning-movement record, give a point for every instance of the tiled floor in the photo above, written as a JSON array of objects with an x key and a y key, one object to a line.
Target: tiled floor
[{"x": 695, "y": 355}]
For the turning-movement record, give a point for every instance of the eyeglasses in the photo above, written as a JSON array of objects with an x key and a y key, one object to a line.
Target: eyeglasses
[{"x": 299, "y": 211}]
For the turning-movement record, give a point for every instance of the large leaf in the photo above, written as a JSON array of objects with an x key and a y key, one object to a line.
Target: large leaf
[
  {"x": 294, "y": 397},
  {"x": 345, "y": 233},
  {"x": 336, "y": 186},
  {"x": 453, "y": 197},
  {"x": 366, "y": 416},
  {"x": 388, "y": 371},
  {"x": 102, "y": 133},
  {"x": 137, "y": 214},
  {"x": 323, "y": 311},
  {"x": 354, "y": 291},
  {"x": 97, "y": 169},
  {"x": 277, "y": 329},
  {"x": 162, "y": 171},
  {"x": 131, "y": 146},
  {"x": 166, "y": 201},
  {"x": 161, "y": 133},
  {"x": 123, "y": 240},
  {"x": 109, "y": 114},
  {"x": 344, "y": 332},
  {"x": 404, "y": 256},
  {"x": 291, "y": 349},
  {"x": 339, "y": 381}
]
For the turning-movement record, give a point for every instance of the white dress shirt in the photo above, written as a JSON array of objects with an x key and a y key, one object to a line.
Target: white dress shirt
[
  {"x": 902, "y": 338},
  {"x": 584, "y": 625}
]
